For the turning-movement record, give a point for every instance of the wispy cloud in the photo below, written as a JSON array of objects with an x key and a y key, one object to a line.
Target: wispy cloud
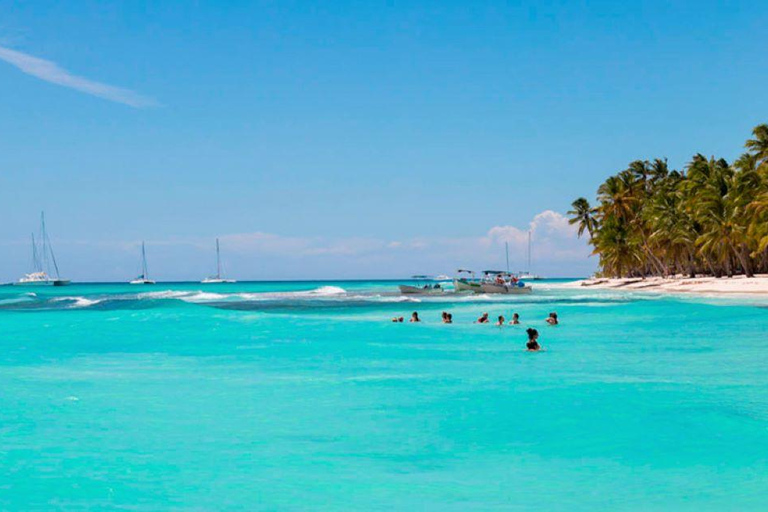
[{"x": 51, "y": 72}]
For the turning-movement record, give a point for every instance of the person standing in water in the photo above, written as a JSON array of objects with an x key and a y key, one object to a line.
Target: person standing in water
[
  {"x": 500, "y": 321},
  {"x": 552, "y": 319},
  {"x": 515, "y": 319},
  {"x": 533, "y": 340},
  {"x": 483, "y": 319},
  {"x": 415, "y": 317}
]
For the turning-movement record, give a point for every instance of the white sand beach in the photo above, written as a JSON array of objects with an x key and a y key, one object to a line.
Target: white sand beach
[{"x": 738, "y": 285}]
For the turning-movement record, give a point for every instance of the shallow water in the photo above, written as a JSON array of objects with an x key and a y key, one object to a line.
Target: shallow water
[{"x": 305, "y": 395}]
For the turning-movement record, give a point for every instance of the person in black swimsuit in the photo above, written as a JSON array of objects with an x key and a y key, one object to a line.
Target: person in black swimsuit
[{"x": 533, "y": 343}]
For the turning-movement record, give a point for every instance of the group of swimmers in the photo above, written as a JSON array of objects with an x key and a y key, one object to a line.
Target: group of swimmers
[{"x": 533, "y": 334}]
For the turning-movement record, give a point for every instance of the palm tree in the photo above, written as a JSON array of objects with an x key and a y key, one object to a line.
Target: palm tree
[
  {"x": 712, "y": 217},
  {"x": 759, "y": 145},
  {"x": 583, "y": 215}
]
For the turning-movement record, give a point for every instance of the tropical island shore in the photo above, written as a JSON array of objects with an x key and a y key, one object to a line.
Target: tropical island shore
[{"x": 737, "y": 285}]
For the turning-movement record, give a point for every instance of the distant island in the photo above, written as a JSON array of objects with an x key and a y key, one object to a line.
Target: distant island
[{"x": 708, "y": 220}]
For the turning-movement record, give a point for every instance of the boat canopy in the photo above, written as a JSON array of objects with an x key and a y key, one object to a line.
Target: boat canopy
[
  {"x": 459, "y": 271},
  {"x": 486, "y": 272},
  {"x": 421, "y": 277}
]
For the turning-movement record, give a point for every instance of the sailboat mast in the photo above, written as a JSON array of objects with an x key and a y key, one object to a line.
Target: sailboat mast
[
  {"x": 506, "y": 246},
  {"x": 36, "y": 267},
  {"x": 218, "y": 261},
  {"x": 53, "y": 257},
  {"x": 529, "y": 250},
  {"x": 43, "y": 240},
  {"x": 143, "y": 261}
]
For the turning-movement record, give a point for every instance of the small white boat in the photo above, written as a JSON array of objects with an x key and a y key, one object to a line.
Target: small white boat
[
  {"x": 217, "y": 279},
  {"x": 42, "y": 259},
  {"x": 422, "y": 289},
  {"x": 144, "y": 277},
  {"x": 466, "y": 284}
]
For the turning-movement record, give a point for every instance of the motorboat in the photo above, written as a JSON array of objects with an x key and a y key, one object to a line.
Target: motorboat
[
  {"x": 500, "y": 282},
  {"x": 426, "y": 285},
  {"x": 468, "y": 283}
]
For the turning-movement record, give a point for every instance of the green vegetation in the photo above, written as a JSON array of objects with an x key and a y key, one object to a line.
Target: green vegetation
[{"x": 711, "y": 218}]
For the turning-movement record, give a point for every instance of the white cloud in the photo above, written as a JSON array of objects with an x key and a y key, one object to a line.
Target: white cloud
[
  {"x": 553, "y": 240},
  {"x": 51, "y": 72}
]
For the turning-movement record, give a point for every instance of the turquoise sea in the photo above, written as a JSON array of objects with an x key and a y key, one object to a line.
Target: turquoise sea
[{"x": 303, "y": 395}]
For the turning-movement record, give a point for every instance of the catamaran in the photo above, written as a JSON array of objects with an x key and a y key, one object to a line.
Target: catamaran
[
  {"x": 42, "y": 259},
  {"x": 217, "y": 278},
  {"x": 144, "y": 277}
]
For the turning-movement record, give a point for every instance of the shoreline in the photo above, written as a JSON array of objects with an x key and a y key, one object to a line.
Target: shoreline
[{"x": 737, "y": 285}]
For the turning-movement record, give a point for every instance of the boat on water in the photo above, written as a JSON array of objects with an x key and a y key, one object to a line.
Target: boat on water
[
  {"x": 426, "y": 286},
  {"x": 500, "y": 282},
  {"x": 144, "y": 277},
  {"x": 43, "y": 260},
  {"x": 465, "y": 281},
  {"x": 527, "y": 274},
  {"x": 217, "y": 279}
]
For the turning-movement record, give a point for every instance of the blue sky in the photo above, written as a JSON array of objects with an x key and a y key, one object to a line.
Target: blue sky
[{"x": 350, "y": 139}]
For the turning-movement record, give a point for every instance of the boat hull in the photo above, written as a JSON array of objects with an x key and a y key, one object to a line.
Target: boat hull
[
  {"x": 142, "y": 281},
  {"x": 416, "y": 290},
  {"x": 505, "y": 289},
  {"x": 217, "y": 281},
  {"x": 463, "y": 285}
]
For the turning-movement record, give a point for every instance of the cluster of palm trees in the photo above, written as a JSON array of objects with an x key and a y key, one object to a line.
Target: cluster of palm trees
[{"x": 711, "y": 218}]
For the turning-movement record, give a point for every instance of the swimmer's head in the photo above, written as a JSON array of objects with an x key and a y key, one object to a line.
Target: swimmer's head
[{"x": 532, "y": 333}]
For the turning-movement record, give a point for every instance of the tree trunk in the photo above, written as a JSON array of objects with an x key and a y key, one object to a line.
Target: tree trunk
[
  {"x": 691, "y": 266},
  {"x": 743, "y": 256}
]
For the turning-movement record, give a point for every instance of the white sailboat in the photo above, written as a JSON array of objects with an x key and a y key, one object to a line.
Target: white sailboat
[
  {"x": 528, "y": 275},
  {"x": 42, "y": 259},
  {"x": 217, "y": 279},
  {"x": 144, "y": 277}
]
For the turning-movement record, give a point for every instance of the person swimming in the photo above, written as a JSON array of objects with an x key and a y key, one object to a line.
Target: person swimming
[
  {"x": 450, "y": 319},
  {"x": 552, "y": 319},
  {"x": 515, "y": 319},
  {"x": 397, "y": 319},
  {"x": 533, "y": 340},
  {"x": 415, "y": 317},
  {"x": 447, "y": 318},
  {"x": 483, "y": 319},
  {"x": 500, "y": 321}
]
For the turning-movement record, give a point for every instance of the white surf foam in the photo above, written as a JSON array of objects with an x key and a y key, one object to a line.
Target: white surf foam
[
  {"x": 165, "y": 294},
  {"x": 326, "y": 290},
  {"x": 77, "y": 302}
]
